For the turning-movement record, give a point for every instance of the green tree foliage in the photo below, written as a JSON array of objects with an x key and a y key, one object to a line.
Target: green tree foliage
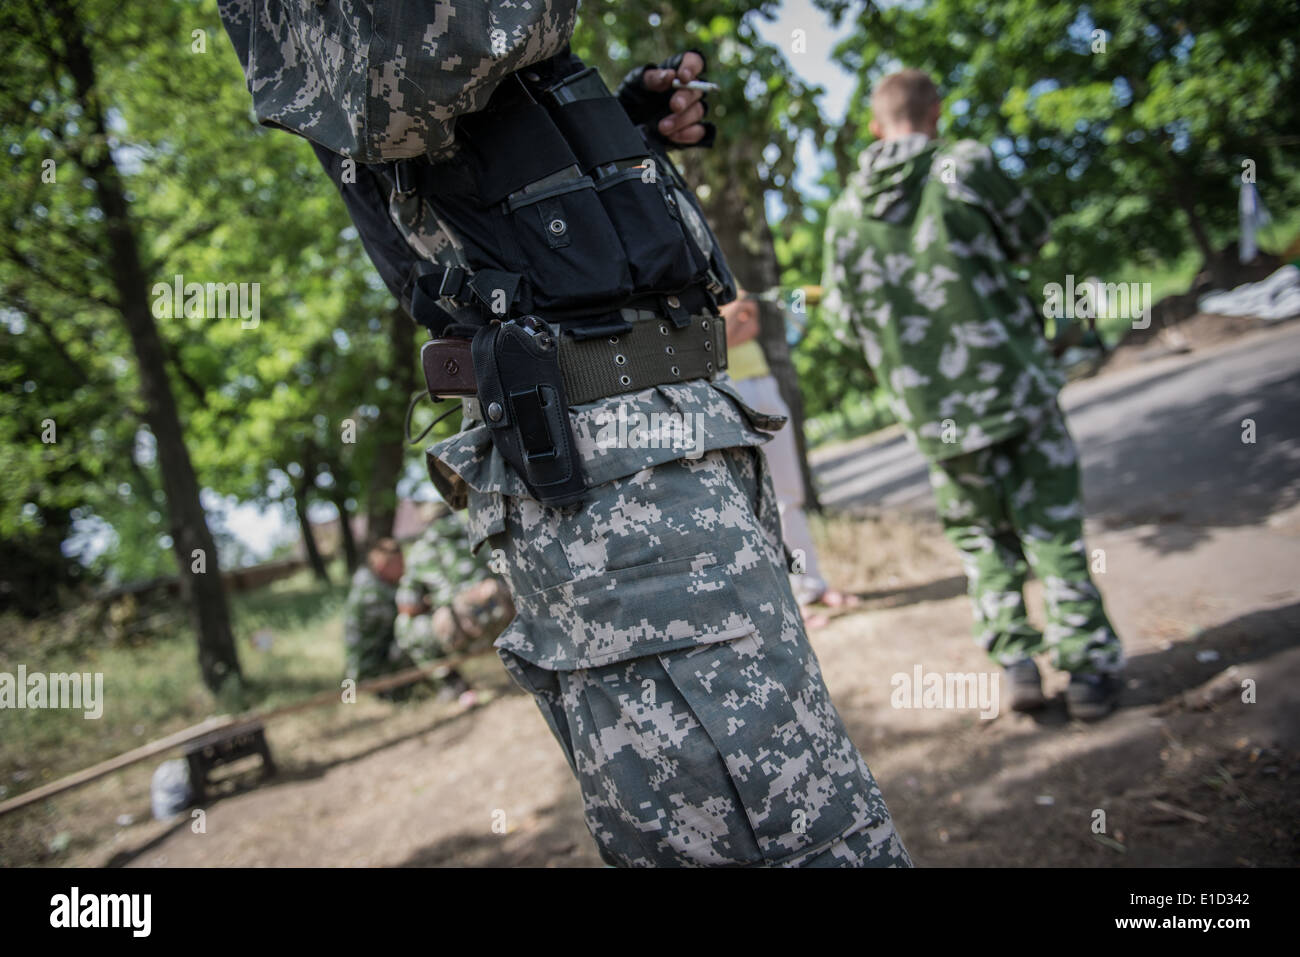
[
  {"x": 1132, "y": 123},
  {"x": 1136, "y": 146},
  {"x": 295, "y": 405}
]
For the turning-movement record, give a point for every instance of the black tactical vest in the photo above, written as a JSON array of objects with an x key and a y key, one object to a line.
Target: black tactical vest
[
  {"x": 555, "y": 207},
  {"x": 563, "y": 209}
]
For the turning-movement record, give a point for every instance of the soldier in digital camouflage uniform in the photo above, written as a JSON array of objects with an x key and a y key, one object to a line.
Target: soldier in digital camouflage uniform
[
  {"x": 658, "y": 631},
  {"x": 921, "y": 249},
  {"x": 368, "y": 614},
  {"x": 655, "y": 624},
  {"x": 448, "y": 601}
]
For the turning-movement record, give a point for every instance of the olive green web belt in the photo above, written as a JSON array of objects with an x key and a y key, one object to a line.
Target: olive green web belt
[{"x": 653, "y": 352}]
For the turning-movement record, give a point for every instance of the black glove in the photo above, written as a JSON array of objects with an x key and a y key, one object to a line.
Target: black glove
[{"x": 646, "y": 107}]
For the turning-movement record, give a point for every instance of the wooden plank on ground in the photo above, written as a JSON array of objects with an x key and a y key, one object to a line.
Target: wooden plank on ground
[{"x": 219, "y": 723}]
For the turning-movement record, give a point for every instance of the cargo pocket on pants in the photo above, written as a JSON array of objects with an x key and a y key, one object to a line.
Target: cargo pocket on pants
[
  {"x": 655, "y": 789},
  {"x": 769, "y": 716}
]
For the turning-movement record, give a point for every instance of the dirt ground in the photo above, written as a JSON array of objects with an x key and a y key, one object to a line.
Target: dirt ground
[
  {"x": 1186, "y": 773},
  {"x": 1201, "y": 331}
]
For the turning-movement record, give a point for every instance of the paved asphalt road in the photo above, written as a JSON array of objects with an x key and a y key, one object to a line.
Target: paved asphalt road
[{"x": 1161, "y": 442}]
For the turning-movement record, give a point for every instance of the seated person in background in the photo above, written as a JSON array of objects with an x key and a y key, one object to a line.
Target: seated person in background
[
  {"x": 448, "y": 601},
  {"x": 369, "y": 650}
]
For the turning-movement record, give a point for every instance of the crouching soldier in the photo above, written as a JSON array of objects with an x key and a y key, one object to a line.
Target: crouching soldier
[{"x": 448, "y": 601}]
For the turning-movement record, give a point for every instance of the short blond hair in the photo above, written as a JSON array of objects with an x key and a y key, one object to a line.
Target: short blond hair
[{"x": 905, "y": 97}]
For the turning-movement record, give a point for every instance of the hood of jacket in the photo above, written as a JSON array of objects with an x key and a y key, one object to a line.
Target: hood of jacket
[{"x": 892, "y": 173}]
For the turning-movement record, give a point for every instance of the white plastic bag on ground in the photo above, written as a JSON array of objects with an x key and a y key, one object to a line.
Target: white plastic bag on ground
[
  {"x": 1274, "y": 298},
  {"x": 169, "y": 791}
]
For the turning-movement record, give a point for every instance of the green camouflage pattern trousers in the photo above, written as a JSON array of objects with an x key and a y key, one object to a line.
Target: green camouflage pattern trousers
[
  {"x": 658, "y": 634},
  {"x": 1015, "y": 506},
  {"x": 469, "y": 623}
]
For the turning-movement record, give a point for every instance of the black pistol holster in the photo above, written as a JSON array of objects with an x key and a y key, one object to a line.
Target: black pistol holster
[{"x": 521, "y": 391}]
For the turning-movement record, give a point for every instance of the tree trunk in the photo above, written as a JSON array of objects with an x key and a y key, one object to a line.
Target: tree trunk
[
  {"x": 390, "y": 450},
  {"x": 1197, "y": 227},
  {"x": 742, "y": 229},
  {"x": 776, "y": 349},
  {"x": 196, "y": 553},
  {"x": 350, "y": 555},
  {"x": 309, "y": 545}
]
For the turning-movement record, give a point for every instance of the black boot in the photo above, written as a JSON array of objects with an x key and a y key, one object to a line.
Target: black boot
[
  {"x": 1026, "y": 685},
  {"x": 1092, "y": 696}
]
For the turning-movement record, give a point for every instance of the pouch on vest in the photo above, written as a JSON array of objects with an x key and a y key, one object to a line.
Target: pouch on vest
[
  {"x": 720, "y": 282},
  {"x": 596, "y": 133},
  {"x": 629, "y": 181},
  {"x": 546, "y": 220}
]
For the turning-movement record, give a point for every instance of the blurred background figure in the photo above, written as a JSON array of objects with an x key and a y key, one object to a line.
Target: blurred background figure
[
  {"x": 369, "y": 649},
  {"x": 448, "y": 601},
  {"x": 921, "y": 249},
  {"x": 749, "y": 370}
]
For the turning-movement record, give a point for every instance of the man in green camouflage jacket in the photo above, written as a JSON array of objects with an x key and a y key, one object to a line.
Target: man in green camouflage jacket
[
  {"x": 368, "y": 614},
  {"x": 921, "y": 251}
]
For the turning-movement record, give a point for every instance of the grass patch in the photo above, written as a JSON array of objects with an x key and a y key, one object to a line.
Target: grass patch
[
  {"x": 153, "y": 688},
  {"x": 872, "y": 550}
]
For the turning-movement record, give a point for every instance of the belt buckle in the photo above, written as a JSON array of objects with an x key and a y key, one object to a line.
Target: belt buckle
[{"x": 451, "y": 292}]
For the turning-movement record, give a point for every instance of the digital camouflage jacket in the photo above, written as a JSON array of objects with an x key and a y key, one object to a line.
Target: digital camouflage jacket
[{"x": 386, "y": 81}]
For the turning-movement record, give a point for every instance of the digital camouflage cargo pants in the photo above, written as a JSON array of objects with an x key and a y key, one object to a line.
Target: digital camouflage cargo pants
[
  {"x": 727, "y": 751},
  {"x": 1016, "y": 506}
]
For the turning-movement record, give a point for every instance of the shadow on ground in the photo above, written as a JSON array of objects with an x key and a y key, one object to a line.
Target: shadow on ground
[
  {"x": 240, "y": 780},
  {"x": 1173, "y": 471},
  {"x": 548, "y": 839},
  {"x": 1203, "y": 779},
  {"x": 1170, "y": 468}
]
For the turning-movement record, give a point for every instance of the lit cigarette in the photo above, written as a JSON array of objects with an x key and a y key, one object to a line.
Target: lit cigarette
[{"x": 704, "y": 85}]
